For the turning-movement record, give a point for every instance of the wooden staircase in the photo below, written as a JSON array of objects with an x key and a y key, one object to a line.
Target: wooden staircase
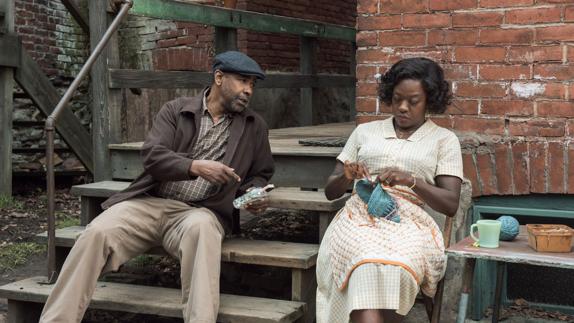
[{"x": 25, "y": 297}]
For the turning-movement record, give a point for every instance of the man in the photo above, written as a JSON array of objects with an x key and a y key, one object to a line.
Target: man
[{"x": 200, "y": 154}]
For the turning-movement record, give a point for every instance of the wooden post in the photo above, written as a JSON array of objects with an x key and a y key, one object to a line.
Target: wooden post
[
  {"x": 115, "y": 96},
  {"x": 90, "y": 209},
  {"x": 106, "y": 108},
  {"x": 306, "y": 54},
  {"x": 353, "y": 72},
  {"x": 6, "y": 106},
  {"x": 500, "y": 269},
  {"x": 225, "y": 39},
  {"x": 303, "y": 289},
  {"x": 23, "y": 312},
  {"x": 325, "y": 219},
  {"x": 467, "y": 277}
]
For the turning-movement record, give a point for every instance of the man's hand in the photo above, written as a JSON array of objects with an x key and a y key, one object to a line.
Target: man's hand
[
  {"x": 213, "y": 171},
  {"x": 258, "y": 206}
]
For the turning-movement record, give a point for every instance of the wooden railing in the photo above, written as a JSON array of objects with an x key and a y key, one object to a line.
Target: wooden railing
[
  {"x": 108, "y": 80},
  {"x": 31, "y": 78}
]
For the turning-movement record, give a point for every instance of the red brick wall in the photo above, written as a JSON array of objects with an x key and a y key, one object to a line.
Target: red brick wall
[
  {"x": 50, "y": 36},
  {"x": 511, "y": 64},
  {"x": 281, "y": 52},
  {"x": 188, "y": 46}
]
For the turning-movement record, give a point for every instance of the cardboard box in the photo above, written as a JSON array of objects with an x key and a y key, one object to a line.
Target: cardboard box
[{"x": 550, "y": 237}]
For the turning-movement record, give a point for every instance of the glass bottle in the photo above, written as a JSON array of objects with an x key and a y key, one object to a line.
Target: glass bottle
[{"x": 254, "y": 194}]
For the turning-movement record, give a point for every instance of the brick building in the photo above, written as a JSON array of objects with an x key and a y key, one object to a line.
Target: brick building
[
  {"x": 511, "y": 64},
  {"x": 57, "y": 43}
]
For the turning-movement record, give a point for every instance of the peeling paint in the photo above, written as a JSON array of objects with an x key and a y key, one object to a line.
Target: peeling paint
[
  {"x": 540, "y": 77},
  {"x": 527, "y": 90}
]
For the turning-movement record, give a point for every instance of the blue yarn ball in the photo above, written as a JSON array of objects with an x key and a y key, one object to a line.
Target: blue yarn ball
[{"x": 509, "y": 227}]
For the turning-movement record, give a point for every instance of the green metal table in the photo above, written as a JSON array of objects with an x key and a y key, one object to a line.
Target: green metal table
[{"x": 516, "y": 251}]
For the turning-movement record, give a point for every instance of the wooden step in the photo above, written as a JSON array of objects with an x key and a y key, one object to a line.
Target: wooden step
[
  {"x": 156, "y": 301},
  {"x": 255, "y": 252},
  {"x": 295, "y": 164},
  {"x": 285, "y": 198}
]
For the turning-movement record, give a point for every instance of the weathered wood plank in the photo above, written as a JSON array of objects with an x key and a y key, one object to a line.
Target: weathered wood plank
[
  {"x": 115, "y": 98},
  {"x": 99, "y": 189},
  {"x": 144, "y": 299},
  {"x": 6, "y": 104},
  {"x": 178, "y": 79},
  {"x": 10, "y": 44},
  {"x": 100, "y": 95},
  {"x": 225, "y": 39},
  {"x": 32, "y": 79},
  {"x": 303, "y": 288},
  {"x": 270, "y": 253},
  {"x": 340, "y": 129},
  {"x": 516, "y": 251},
  {"x": 79, "y": 14},
  {"x": 296, "y": 165},
  {"x": 243, "y": 251},
  {"x": 284, "y": 198},
  {"x": 223, "y": 17}
]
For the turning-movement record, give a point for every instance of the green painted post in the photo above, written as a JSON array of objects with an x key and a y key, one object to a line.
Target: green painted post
[
  {"x": 558, "y": 207},
  {"x": 6, "y": 106}
]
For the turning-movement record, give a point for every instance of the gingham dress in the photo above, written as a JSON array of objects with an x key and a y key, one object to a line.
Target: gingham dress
[{"x": 366, "y": 263}]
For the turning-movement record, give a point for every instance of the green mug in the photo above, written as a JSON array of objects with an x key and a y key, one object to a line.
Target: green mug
[{"x": 488, "y": 233}]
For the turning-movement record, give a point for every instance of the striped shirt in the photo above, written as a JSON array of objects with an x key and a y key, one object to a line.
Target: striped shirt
[
  {"x": 429, "y": 152},
  {"x": 210, "y": 145}
]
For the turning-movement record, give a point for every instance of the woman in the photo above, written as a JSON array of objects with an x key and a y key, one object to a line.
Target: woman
[{"x": 370, "y": 269}]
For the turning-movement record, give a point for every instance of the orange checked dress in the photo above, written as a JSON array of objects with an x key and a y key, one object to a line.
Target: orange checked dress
[{"x": 370, "y": 263}]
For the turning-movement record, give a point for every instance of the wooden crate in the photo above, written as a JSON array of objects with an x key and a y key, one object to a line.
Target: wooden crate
[{"x": 550, "y": 237}]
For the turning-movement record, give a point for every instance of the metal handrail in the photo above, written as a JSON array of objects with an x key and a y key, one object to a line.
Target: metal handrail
[{"x": 49, "y": 128}]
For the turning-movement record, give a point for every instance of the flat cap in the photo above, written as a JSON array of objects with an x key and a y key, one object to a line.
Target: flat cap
[{"x": 239, "y": 63}]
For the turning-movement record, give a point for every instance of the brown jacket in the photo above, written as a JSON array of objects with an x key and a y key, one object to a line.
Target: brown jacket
[{"x": 165, "y": 155}]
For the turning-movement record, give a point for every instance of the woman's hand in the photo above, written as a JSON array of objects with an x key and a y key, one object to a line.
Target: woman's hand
[
  {"x": 442, "y": 197},
  {"x": 356, "y": 170},
  {"x": 393, "y": 176}
]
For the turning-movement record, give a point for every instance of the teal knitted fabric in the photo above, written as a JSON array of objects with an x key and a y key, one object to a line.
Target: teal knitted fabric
[{"x": 380, "y": 204}]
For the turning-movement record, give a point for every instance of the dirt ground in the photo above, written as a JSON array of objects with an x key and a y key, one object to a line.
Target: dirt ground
[{"x": 27, "y": 216}]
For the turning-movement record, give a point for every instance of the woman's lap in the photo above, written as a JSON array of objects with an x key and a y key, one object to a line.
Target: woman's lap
[{"x": 369, "y": 285}]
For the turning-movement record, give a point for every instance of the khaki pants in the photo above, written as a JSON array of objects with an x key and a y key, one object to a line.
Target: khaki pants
[{"x": 127, "y": 229}]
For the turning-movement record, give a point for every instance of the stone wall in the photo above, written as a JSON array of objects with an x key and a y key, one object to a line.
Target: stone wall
[
  {"x": 51, "y": 36},
  {"x": 60, "y": 47},
  {"x": 510, "y": 64}
]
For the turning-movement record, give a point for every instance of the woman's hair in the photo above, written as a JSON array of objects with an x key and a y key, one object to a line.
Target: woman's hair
[{"x": 428, "y": 72}]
